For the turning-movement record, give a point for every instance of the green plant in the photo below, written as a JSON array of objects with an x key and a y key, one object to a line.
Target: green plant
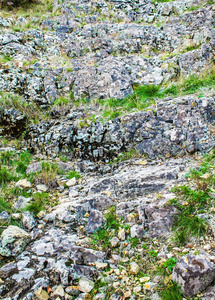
[
  {"x": 5, "y": 176},
  {"x": 61, "y": 101},
  {"x": 167, "y": 267},
  {"x": 191, "y": 201},
  {"x": 72, "y": 174},
  {"x": 102, "y": 236},
  {"x": 6, "y": 158},
  {"x": 9, "y": 100},
  {"x": 134, "y": 242},
  {"x": 23, "y": 161},
  {"x": 39, "y": 202},
  {"x": 171, "y": 292}
]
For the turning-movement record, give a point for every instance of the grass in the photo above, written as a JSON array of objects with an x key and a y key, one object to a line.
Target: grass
[
  {"x": 171, "y": 292},
  {"x": 133, "y": 153},
  {"x": 146, "y": 95},
  {"x": 32, "y": 9},
  {"x": 193, "y": 199},
  {"x": 39, "y": 202},
  {"x": 102, "y": 236},
  {"x": 73, "y": 174},
  {"x": 48, "y": 175},
  {"x": 14, "y": 101}
]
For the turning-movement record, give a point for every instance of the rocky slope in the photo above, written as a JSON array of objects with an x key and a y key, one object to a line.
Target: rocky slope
[{"x": 88, "y": 207}]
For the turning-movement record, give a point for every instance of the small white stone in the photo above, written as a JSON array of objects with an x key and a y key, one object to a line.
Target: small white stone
[
  {"x": 71, "y": 182},
  {"x": 85, "y": 285},
  {"x": 121, "y": 234},
  {"x": 144, "y": 279},
  {"x": 59, "y": 292},
  {"x": 42, "y": 187},
  {"x": 24, "y": 183},
  {"x": 114, "y": 241},
  {"x": 41, "y": 294},
  {"x": 137, "y": 289},
  {"x": 134, "y": 268},
  {"x": 101, "y": 266},
  {"x": 116, "y": 284}
]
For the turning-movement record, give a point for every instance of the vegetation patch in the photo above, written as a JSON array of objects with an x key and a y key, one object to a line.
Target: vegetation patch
[{"x": 193, "y": 200}]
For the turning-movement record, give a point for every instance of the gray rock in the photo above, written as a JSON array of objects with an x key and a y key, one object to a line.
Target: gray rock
[
  {"x": 28, "y": 220},
  {"x": 8, "y": 270},
  {"x": 4, "y": 217},
  {"x": 13, "y": 241},
  {"x": 95, "y": 221},
  {"x": 193, "y": 274}
]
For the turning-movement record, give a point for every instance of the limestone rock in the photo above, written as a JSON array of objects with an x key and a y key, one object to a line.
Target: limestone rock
[
  {"x": 28, "y": 220},
  {"x": 134, "y": 268},
  {"x": 85, "y": 285},
  {"x": 24, "y": 183},
  {"x": 13, "y": 240},
  {"x": 193, "y": 274},
  {"x": 95, "y": 221},
  {"x": 121, "y": 234}
]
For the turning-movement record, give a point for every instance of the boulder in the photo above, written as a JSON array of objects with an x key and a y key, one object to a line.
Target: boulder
[
  {"x": 193, "y": 274},
  {"x": 13, "y": 241}
]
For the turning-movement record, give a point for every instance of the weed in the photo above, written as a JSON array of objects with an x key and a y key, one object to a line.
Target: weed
[
  {"x": 190, "y": 202},
  {"x": 5, "y": 176},
  {"x": 167, "y": 267},
  {"x": 40, "y": 200},
  {"x": 6, "y": 158},
  {"x": 32, "y": 112},
  {"x": 171, "y": 292},
  {"x": 72, "y": 174},
  {"x": 133, "y": 153},
  {"x": 23, "y": 161},
  {"x": 134, "y": 242},
  {"x": 61, "y": 101},
  {"x": 102, "y": 236}
]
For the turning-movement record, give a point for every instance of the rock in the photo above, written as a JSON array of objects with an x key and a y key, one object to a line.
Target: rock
[
  {"x": 101, "y": 266},
  {"x": 95, "y": 221},
  {"x": 71, "y": 182},
  {"x": 28, "y": 220},
  {"x": 42, "y": 187},
  {"x": 8, "y": 270},
  {"x": 59, "y": 292},
  {"x": 100, "y": 296},
  {"x": 193, "y": 274},
  {"x": 12, "y": 122},
  {"x": 22, "y": 202},
  {"x": 24, "y": 183},
  {"x": 41, "y": 294},
  {"x": 13, "y": 241},
  {"x": 137, "y": 231},
  {"x": 144, "y": 279},
  {"x": 137, "y": 289},
  {"x": 209, "y": 293},
  {"x": 121, "y": 234},
  {"x": 134, "y": 268},
  {"x": 4, "y": 217},
  {"x": 85, "y": 285},
  {"x": 114, "y": 242}
]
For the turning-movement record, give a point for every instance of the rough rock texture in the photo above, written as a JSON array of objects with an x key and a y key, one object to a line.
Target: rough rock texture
[
  {"x": 12, "y": 122},
  {"x": 178, "y": 126},
  {"x": 13, "y": 241},
  {"x": 193, "y": 274}
]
